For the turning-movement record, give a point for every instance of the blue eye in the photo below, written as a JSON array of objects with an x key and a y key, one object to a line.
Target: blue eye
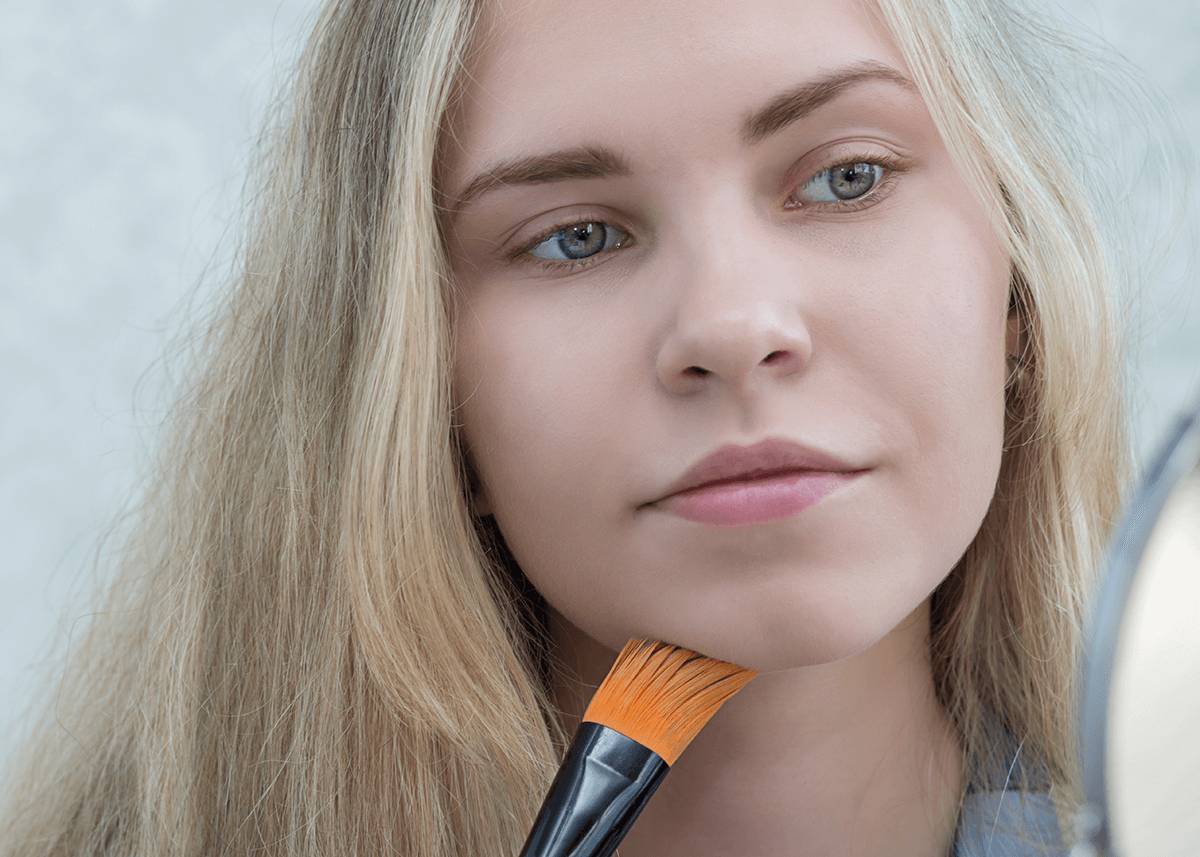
[
  {"x": 579, "y": 241},
  {"x": 840, "y": 183}
]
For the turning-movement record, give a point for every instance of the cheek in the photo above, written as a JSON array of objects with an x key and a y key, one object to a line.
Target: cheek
[
  {"x": 949, "y": 365},
  {"x": 496, "y": 413},
  {"x": 536, "y": 408},
  {"x": 534, "y": 387},
  {"x": 922, "y": 346},
  {"x": 932, "y": 318},
  {"x": 954, "y": 296},
  {"x": 965, "y": 317}
]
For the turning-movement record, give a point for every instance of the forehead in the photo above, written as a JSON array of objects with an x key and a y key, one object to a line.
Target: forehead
[{"x": 621, "y": 71}]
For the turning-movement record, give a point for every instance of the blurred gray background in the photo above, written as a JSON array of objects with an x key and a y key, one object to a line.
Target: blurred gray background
[{"x": 126, "y": 128}]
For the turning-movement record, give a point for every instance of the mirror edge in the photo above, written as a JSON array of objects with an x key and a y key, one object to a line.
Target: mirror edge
[{"x": 1176, "y": 456}]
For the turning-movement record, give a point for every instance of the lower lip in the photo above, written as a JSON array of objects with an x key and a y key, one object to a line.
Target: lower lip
[{"x": 740, "y": 504}]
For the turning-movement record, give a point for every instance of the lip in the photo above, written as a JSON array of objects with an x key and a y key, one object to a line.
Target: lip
[
  {"x": 739, "y": 486},
  {"x": 733, "y": 463}
]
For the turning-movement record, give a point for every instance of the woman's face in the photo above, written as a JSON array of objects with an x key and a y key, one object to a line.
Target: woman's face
[{"x": 679, "y": 228}]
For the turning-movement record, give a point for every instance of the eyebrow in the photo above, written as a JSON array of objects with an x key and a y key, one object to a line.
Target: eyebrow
[
  {"x": 594, "y": 162},
  {"x": 796, "y": 103},
  {"x": 584, "y": 162}
]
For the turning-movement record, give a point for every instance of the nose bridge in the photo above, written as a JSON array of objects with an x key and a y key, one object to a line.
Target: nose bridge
[{"x": 736, "y": 302}]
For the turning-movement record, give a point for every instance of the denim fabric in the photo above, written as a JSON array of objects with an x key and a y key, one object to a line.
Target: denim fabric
[
  {"x": 998, "y": 819},
  {"x": 1008, "y": 824}
]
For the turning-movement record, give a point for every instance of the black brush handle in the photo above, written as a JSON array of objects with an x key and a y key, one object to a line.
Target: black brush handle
[{"x": 599, "y": 791}]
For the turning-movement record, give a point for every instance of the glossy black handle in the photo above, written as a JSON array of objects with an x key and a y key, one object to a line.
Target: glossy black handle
[{"x": 601, "y": 788}]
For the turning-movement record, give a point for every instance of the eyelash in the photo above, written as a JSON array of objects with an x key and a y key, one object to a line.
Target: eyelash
[
  {"x": 891, "y": 169},
  {"x": 881, "y": 188},
  {"x": 523, "y": 254}
]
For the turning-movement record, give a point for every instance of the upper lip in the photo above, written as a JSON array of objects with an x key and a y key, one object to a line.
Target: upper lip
[{"x": 734, "y": 463}]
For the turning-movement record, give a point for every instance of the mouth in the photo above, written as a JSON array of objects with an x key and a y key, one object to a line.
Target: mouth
[
  {"x": 744, "y": 486},
  {"x": 733, "y": 463},
  {"x": 756, "y": 499},
  {"x": 758, "y": 476}
]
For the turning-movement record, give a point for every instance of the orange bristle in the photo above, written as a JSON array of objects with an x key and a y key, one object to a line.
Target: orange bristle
[{"x": 661, "y": 695}]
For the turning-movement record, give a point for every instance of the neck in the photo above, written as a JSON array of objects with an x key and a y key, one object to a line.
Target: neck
[{"x": 855, "y": 757}]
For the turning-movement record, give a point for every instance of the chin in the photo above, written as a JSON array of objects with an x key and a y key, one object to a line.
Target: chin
[
  {"x": 768, "y": 652},
  {"x": 776, "y": 640}
]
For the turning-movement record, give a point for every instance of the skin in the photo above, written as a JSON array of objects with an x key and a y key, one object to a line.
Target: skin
[{"x": 735, "y": 303}]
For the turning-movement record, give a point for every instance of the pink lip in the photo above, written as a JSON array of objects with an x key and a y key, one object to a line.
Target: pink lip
[{"x": 769, "y": 481}]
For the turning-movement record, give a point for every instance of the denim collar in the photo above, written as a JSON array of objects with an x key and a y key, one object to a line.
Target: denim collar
[
  {"x": 999, "y": 820},
  {"x": 1008, "y": 823}
]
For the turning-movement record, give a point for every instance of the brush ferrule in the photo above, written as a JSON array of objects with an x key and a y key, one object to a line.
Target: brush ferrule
[{"x": 599, "y": 791}]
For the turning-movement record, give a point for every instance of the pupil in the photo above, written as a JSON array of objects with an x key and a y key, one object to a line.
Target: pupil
[
  {"x": 852, "y": 180},
  {"x": 586, "y": 239}
]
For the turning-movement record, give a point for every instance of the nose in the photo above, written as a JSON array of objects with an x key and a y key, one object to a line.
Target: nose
[{"x": 738, "y": 320}]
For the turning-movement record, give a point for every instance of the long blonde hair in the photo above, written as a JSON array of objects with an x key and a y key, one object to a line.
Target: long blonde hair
[
  {"x": 314, "y": 648},
  {"x": 1005, "y": 626}
]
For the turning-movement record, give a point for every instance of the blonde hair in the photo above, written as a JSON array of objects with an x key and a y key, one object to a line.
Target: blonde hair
[
  {"x": 313, "y": 648},
  {"x": 1005, "y": 626}
]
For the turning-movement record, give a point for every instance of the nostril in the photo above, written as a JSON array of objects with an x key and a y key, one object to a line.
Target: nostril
[
  {"x": 695, "y": 370},
  {"x": 775, "y": 356}
]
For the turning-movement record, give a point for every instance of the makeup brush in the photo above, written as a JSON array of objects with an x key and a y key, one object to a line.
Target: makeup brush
[{"x": 649, "y": 707}]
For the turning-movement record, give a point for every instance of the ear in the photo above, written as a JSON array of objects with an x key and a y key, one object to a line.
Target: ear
[{"x": 1014, "y": 338}]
